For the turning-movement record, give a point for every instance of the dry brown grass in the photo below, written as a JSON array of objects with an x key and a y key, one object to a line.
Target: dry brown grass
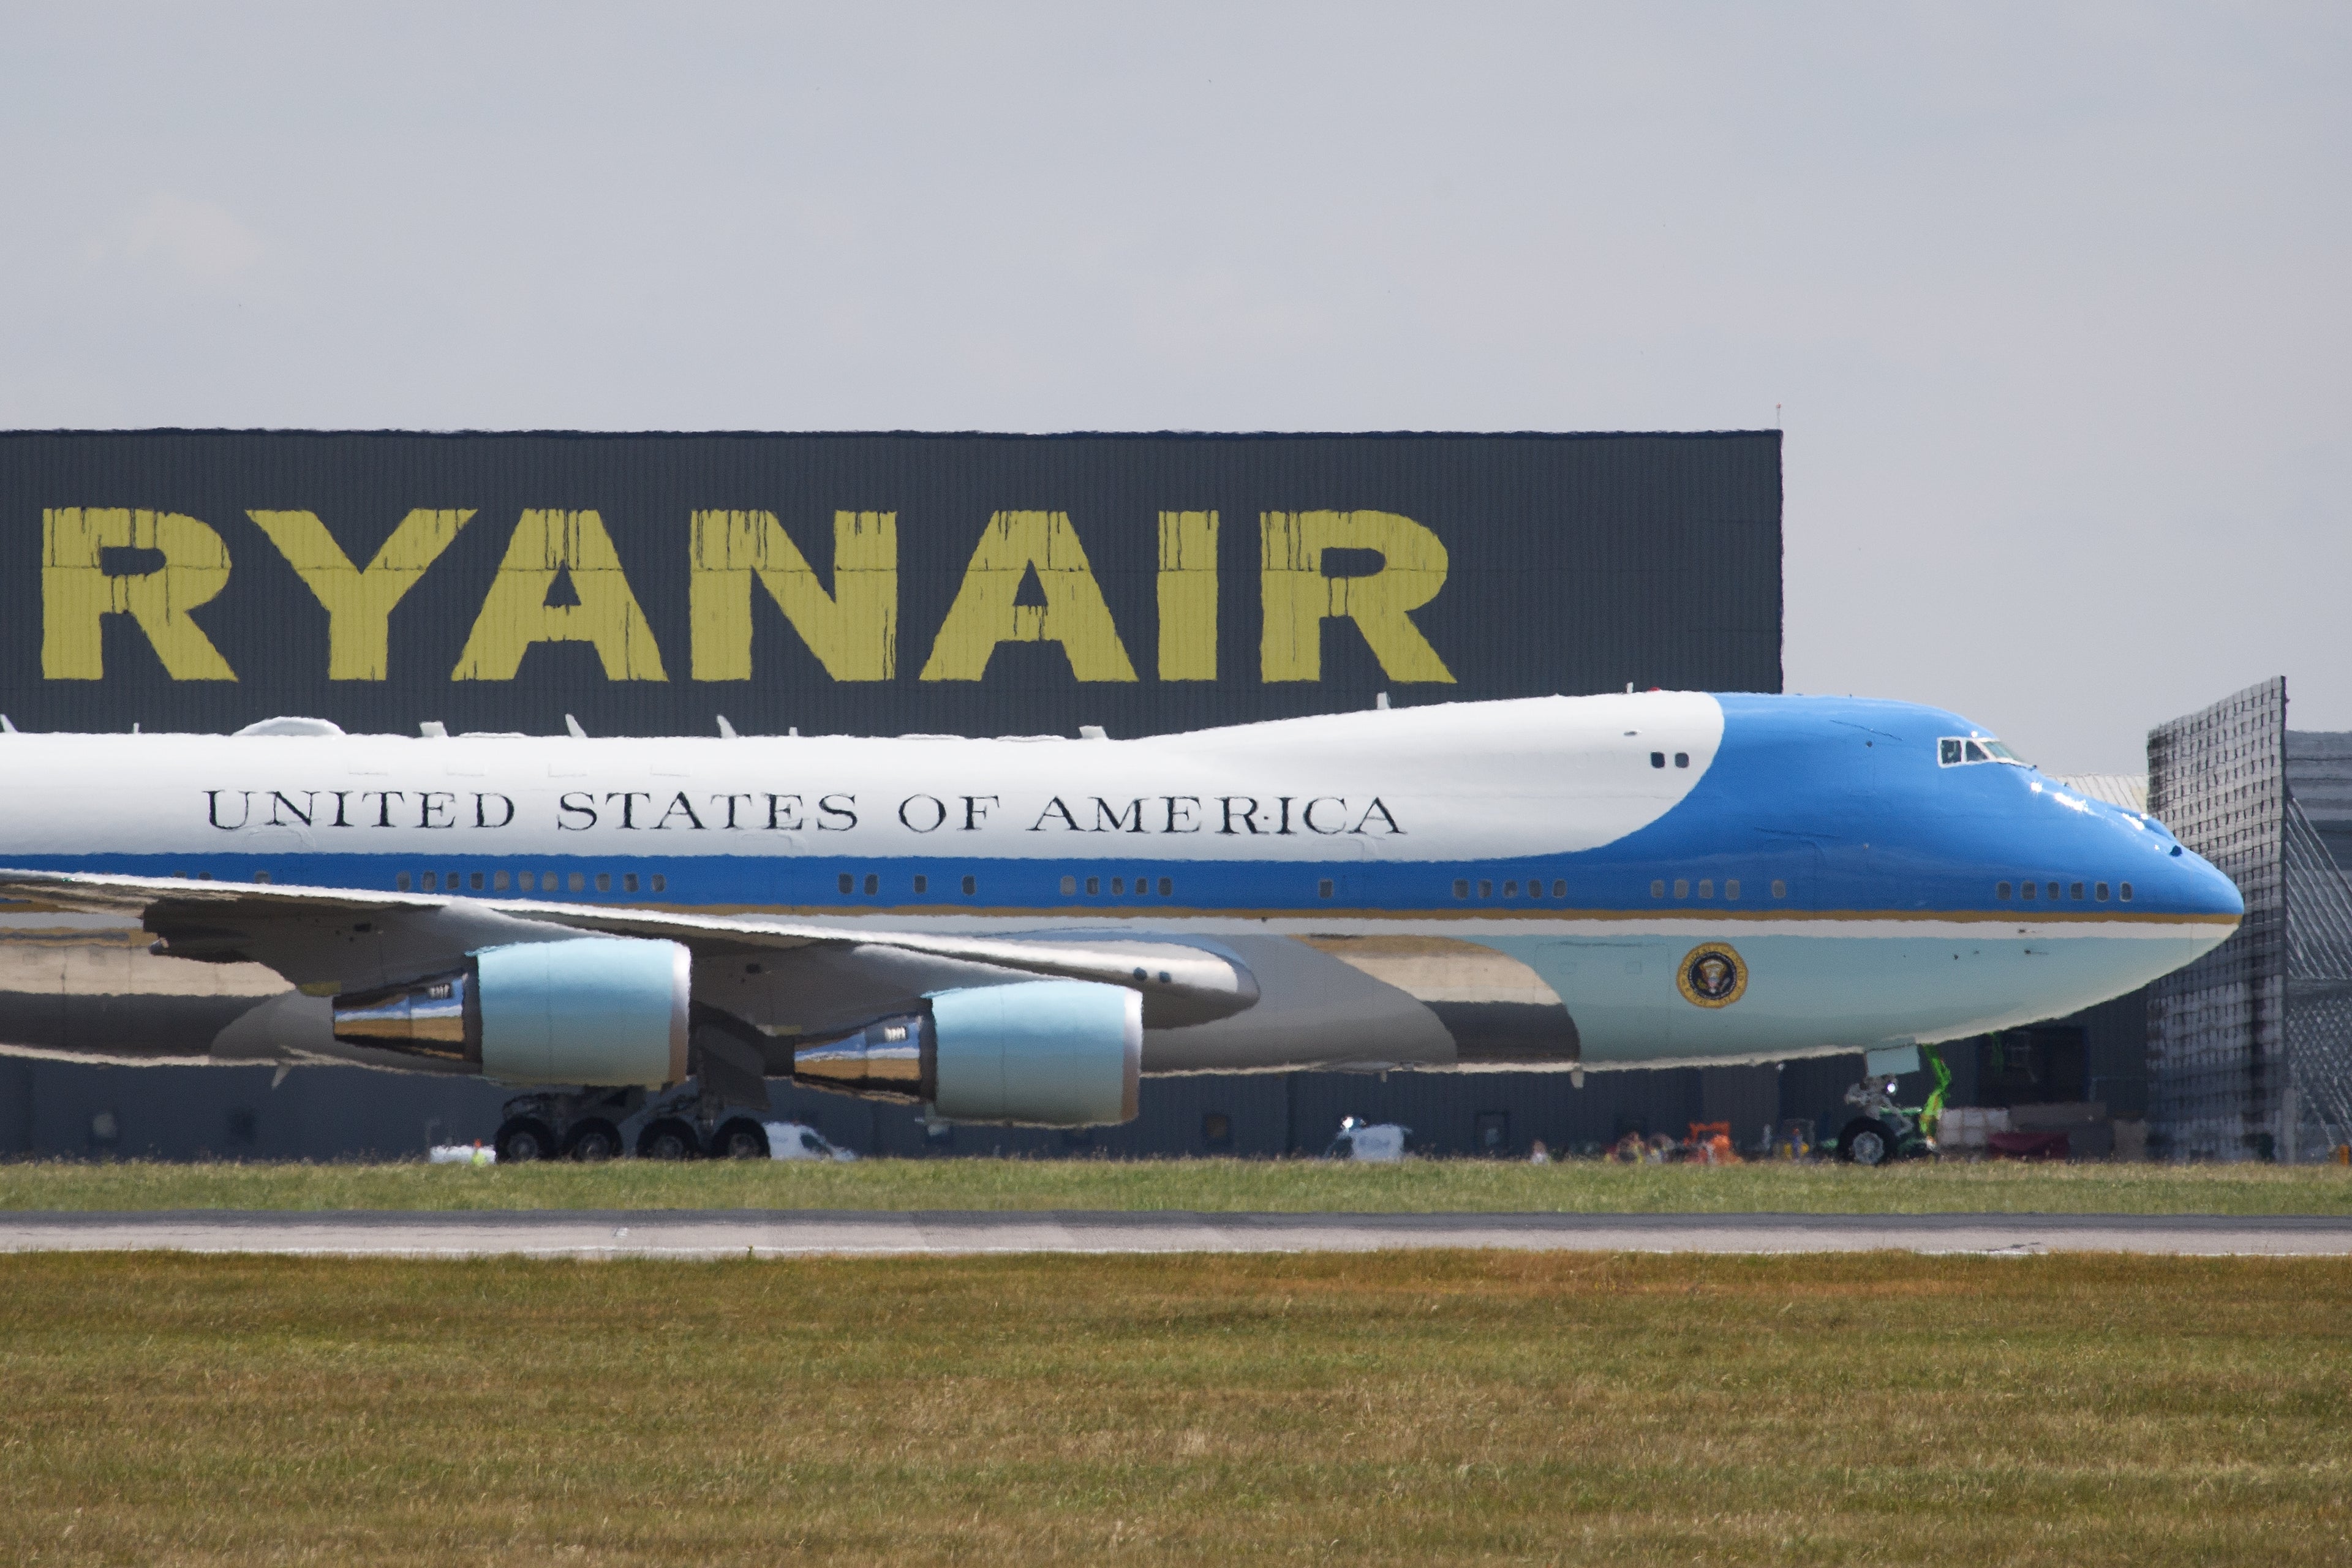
[{"x": 1383, "y": 1408}]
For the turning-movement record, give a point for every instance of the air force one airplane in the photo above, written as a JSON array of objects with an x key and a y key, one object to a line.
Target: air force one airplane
[{"x": 1014, "y": 930}]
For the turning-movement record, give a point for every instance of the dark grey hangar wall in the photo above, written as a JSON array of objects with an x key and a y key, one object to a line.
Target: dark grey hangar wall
[{"x": 868, "y": 584}]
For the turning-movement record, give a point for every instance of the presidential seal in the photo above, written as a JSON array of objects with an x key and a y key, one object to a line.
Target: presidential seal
[{"x": 1712, "y": 975}]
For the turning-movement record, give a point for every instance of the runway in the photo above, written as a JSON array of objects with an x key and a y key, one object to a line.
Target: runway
[{"x": 688, "y": 1235}]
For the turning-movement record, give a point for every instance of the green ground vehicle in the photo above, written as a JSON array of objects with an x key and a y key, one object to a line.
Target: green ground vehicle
[{"x": 1877, "y": 1130}]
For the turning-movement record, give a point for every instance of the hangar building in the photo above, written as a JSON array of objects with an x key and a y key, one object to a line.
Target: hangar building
[{"x": 651, "y": 583}]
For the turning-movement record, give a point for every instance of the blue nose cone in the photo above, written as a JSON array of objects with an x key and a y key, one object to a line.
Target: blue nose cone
[{"x": 2194, "y": 885}]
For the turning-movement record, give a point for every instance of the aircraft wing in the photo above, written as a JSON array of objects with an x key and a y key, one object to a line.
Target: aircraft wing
[{"x": 295, "y": 929}]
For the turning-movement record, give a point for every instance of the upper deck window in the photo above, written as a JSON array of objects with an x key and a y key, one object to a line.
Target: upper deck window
[{"x": 1958, "y": 751}]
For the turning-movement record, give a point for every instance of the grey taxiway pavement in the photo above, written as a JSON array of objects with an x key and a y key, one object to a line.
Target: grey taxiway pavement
[{"x": 778, "y": 1233}]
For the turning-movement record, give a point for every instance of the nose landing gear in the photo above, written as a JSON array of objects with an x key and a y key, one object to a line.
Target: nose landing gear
[{"x": 1882, "y": 1131}]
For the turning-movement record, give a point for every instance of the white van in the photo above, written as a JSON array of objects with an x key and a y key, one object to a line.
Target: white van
[
  {"x": 798, "y": 1141},
  {"x": 1378, "y": 1140}
]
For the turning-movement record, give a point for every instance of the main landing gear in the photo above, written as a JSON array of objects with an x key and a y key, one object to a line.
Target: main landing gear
[
  {"x": 584, "y": 1126},
  {"x": 594, "y": 1125}
]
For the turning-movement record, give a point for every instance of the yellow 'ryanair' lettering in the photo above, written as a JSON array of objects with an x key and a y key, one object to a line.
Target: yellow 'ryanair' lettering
[
  {"x": 77, "y": 592},
  {"x": 985, "y": 612},
  {"x": 360, "y": 603},
  {"x": 853, "y": 630},
  {"x": 516, "y": 614}
]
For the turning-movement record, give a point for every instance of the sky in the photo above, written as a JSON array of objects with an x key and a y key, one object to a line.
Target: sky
[{"x": 2051, "y": 300}]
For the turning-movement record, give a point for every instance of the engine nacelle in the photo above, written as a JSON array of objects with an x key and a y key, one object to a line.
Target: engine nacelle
[
  {"x": 1052, "y": 1053},
  {"x": 590, "y": 1010}
]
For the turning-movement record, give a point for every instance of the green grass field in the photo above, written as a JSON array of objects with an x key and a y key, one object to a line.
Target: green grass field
[
  {"x": 1572, "y": 1186},
  {"x": 1407, "y": 1409}
]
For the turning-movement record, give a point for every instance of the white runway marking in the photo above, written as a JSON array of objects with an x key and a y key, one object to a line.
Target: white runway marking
[{"x": 719, "y": 1234}]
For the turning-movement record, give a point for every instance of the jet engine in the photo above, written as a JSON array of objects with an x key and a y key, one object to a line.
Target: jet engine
[
  {"x": 592, "y": 1010},
  {"x": 1051, "y": 1053}
]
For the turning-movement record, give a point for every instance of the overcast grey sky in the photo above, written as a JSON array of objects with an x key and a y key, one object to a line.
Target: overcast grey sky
[{"x": 2053, "y": 299}]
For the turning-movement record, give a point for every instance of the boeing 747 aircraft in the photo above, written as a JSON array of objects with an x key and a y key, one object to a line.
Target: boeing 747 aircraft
[{"x": 1014, "y": 930}]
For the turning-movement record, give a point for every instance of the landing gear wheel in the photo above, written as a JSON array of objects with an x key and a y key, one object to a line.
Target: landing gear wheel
[
  {"x": 593, "y": 1141},
  {"x": 1866, "y": 1142},
  {"x": 523, "y": 1140},
  {"x": 668, "y": 1139},
  {"x": 741, "y": 1138}
]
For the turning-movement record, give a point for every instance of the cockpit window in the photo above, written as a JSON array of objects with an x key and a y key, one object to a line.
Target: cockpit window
[{"x": 1958, "y": 751}]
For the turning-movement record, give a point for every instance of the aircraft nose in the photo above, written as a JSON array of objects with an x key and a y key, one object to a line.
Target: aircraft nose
[{"x": 2194, "y": 885}]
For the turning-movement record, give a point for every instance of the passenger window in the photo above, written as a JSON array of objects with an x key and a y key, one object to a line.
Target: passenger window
[
  {"x": 1731, "y": 889},
  {"x": 1657, "y": 890},
  {"x": 922, "y": 884},
  {"x": 1069, "y": 885},
  {"x": 848, "y": 885},
  {"x": 661, "y": 883},
  {"x": 1707, "y": 887},
  {"x": 1559, "y": 888},
  {"x": 971, "y": 885},
  {"x": 1167, "y": 887},
  {"x": 2028, "y": 890},
  {"x": 499, "y": 881},
  {"x": 1682, "y": 887},
  {"x": 603, "y": 881},
  {"x": 1093, "y": 885},
  {"x": 2001, "y": 890},
  {"x": 2126, "y": 891},
  {"x": 474, "y": 881},
  {"x": 400, "y": 882},
  {"x": 1323, "y": 888},
  {"x": 432, "y": 881},
  {"x": 1657, "y": 759},
  {"x": 579, "y": 881},
  {"x": 2102, "y": 891},
  {"x": 873, "y": 883},
  {"x": 1485, "y": 888},
  {"x": 1117, "y": 885},
  {"x": 1682, "y": 758},
  {"x": 1510, "y": 890},
  {"x": 453, "y": 882},
  {"x": 1947, "y": 752},
  {"x": 2076, "y": 891},
  {"x": 628, "y": 881},
  {"x": 1779, "y": 889}
]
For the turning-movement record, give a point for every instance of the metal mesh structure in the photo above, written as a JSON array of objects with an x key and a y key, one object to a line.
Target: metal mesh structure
[
  {"x": 2218, "y": 1029},
  {"x": 2317, "y": 1114},
  {"x": 2249, "y": 1049}
]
